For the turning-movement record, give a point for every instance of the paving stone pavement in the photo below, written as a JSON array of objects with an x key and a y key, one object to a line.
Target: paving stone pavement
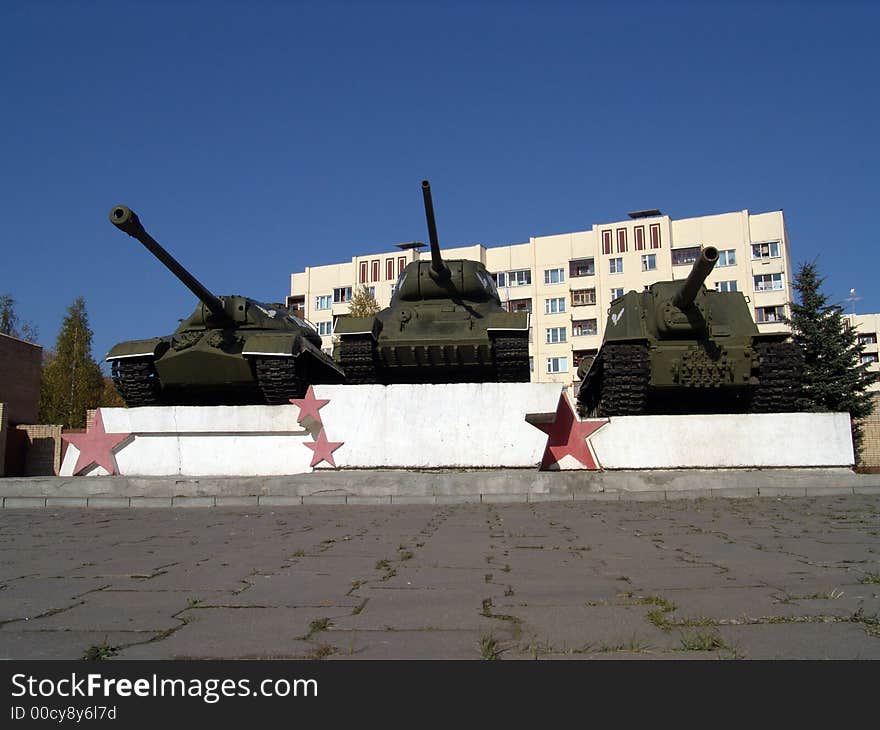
[{"x": 709, "y": 578}]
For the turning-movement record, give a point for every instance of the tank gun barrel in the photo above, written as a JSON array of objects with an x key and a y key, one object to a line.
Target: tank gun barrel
[
  {"x": 126, "y": 220},
  {"x": 438, "y": 267},
  {"x": 702, "y": 268}
]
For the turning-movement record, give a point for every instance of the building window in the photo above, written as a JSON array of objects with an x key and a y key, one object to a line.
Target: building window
[
  {"x": 554, "y": 276},
  {"x": 500, "y": 279},
  {"x": 581, "y": 267},
  {"x": 521, "y": 277},
  {"x": 401, "y": 264},
  {"x": 557, "y": 364},
  {"x": 323, "y": 302},
  {"x": 375, "y": 270},
  {"x": 621, "y": 240},
  {"x": 616, "y": 293},
  {"x": 868, "y": 339},
  {"x": 581, "y": 297},
  {"x": 578, "y": 355},
  {"x": 342, "y": 294},
  {"x": 519, "y": 305},
  {"x": 556, "y": 334},
  {"x": 725, "y": 286},
  {"x": 639, "y": 237},
  {"x": 531, "y": 364},
  {"x": 372, "y": 291},
  {"x": 554, "y": 306},
  {"x": 685, "y": 256},
  {"x": 767, "y": 250},
  {"x": 649, "y": 261},
  {"x": 584, "y": 327},
  {"x": 615, "y": 266},
  {"x": 768, "y": 282},
  {"x": 769, "y": 314},
  {"x": 870, "y": 357},
  {"x": 364, "y": 270},
  {"x": 389, "y": 268},
  {"x": 727, "y": 257},
  {"x": 325, "y": 328},
  {"x": 297, "y": 304},
  {"x": 655, "y": 235}
]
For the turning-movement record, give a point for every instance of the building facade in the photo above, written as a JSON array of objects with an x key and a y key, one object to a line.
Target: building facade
[
  {"x": 567, "y": 281},
  {"x": 867, "y": 327}
]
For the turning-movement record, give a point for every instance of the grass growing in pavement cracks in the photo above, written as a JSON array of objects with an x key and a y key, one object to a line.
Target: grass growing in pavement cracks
[
  {"x": 697, "y": 641},
  {"x": 871, "y": 578},
  {"x": 97, "y": 652},
  {"x": 489, "y": 648},
  {"x": 316, "y": 626}
]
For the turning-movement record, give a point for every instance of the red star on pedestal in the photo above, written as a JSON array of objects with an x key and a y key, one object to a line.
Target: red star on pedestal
[
  {"x": 568, "y": 436},
  {"x": 323, "y": 449},
  {"x": 96, "y": 446},
  {"x": 309, "y": 406}
]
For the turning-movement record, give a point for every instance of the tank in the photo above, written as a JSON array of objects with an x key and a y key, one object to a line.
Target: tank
[
  {"x": 678, "y": 347},
  {"x": 445, "y": 324},
  {"x": 231, "y": 350}
]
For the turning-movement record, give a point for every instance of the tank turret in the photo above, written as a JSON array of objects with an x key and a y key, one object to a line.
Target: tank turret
[
  {"x": 445, "y": 324},
  {"x": 231, "y": 350}
]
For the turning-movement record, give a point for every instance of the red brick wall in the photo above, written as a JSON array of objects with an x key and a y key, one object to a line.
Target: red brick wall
[{"x": 20, "y": 379}]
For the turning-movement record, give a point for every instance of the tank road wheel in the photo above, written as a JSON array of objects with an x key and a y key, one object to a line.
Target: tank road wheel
[
  {"x": 512, "y": 359},
  {"x": 137, "y": 382},
  {"x": 357, "y": 358},
  {"x": 623, "y": 387},
  {"x": 780, "y": 365},
  {"x": 279, "y": 379}
]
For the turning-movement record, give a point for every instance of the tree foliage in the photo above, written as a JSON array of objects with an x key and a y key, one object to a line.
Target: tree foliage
[
  {"x": 10, "y": 323},
  {"x": 835, "y": 378},
  {"x": 363, "y": 303},
  {"x": 71, "y": 382}
]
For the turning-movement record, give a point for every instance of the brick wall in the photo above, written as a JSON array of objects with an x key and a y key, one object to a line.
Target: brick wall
[
  {"x": 20, "y": 364},
  {"x": 869, "y": 453},
  {"x": 43, "y": 455},
  {"x": 2, "y": 439}
]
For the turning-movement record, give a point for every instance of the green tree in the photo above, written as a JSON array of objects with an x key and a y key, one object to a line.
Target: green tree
[
  {"x": 363, "y": 303},
  {"x": 835, "y": 378},
  {"x": 71, "y": 382},
  {"x": 10, "y": 324}
]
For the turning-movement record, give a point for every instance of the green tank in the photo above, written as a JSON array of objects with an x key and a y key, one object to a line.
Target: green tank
[
  {"x": 445, "y": 324},
  {"x": 231, "y": 350},
  {"x": 678, "y": 347}
]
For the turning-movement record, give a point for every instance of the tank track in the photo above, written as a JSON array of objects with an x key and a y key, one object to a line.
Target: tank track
[
  {"x": 780, "y": 366},
  {"x": 357, "y": 357},
  {"x": 623, "y": 381},
  {"x": 279, "y": 379},
  {"x": 137, "y": 382},
  {"x": 512, "y": 359}
]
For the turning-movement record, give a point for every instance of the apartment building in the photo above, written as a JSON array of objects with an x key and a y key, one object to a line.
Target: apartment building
[
  {"x": 567, "y": 281},
  {"x": 867, "y": 326}
]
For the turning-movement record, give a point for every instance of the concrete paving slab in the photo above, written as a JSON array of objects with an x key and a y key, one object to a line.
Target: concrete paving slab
[
  {"x": 64, "y": 644},
  {"x": 801, "y": 641},
  {"x": 241, "y": 633},
  {"x": 406, "y": 644}
]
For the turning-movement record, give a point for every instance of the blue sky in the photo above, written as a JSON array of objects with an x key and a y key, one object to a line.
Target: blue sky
[{"x": 257, "y": 138}]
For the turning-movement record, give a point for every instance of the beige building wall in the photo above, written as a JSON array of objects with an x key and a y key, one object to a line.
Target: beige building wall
[
  {"x": 868, "y": 329},
  {"x": 569, "y": 310}
]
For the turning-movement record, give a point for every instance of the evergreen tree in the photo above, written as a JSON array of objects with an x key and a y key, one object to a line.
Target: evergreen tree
[
  {"x": 835, "y": 378},
  {"x": 9, "y": 322},
  {"x": 363, "y": 303},
  {"x": 72, "y": 381}
]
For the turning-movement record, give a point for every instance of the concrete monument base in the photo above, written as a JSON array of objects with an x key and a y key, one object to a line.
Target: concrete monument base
[{"x": 459, "y": 426}]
